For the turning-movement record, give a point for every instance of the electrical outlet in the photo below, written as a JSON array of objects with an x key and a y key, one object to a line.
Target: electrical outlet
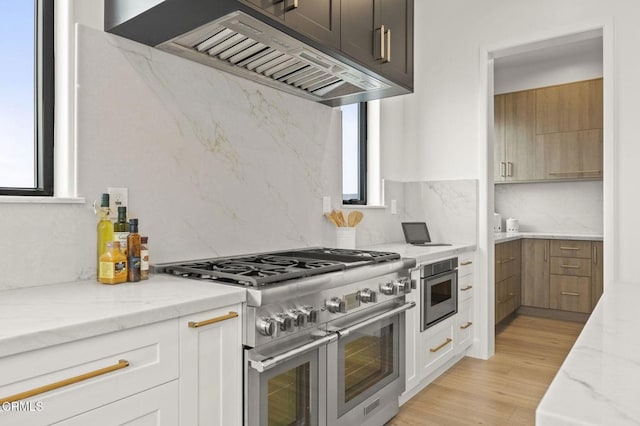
[
  {"x": 326, "y": 205},
  {"x": 118, "y": 197},
  {"x": 394, "y": 207}
]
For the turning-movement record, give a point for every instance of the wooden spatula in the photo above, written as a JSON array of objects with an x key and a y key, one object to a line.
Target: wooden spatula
[{"x": 354, "y": 218}]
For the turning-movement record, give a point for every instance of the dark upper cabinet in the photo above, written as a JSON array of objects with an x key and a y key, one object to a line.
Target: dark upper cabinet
[
  {"x": 317, "y": 19},
  {"x": 379, "y": 34}
]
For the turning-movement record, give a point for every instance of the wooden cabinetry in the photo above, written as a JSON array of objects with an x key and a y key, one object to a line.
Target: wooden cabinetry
[
  {"x": 551, "y": 133},
  {"x": 535, "y": 273},
  {"x": 379, "y": 34},
  {"x": 317, "y": 19},
  {"x": 211, "y": 368},
  {"x": 564, "y": 275},
  {"x": 507, "y": 278}
]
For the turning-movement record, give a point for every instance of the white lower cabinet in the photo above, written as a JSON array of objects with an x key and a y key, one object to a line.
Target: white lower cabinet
[
  {"x": 155, "y": 407},
  {"x": 437, "y": 345},
  {"x": 464, "y": 326},
  {"x": 184, "y": 371},
  {"x": 211, "y": 368}
]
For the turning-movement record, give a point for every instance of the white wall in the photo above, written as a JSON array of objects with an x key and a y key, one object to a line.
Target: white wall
[{"x": 443, "y": 124}]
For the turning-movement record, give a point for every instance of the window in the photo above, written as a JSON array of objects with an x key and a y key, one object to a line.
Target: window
[
  {"x": 26, "y": 97},
  {"x": 354, "y": 153}
]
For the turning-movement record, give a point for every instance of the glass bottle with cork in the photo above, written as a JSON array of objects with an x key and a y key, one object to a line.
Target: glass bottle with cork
[
  {"x": 113, "y": 265},
  {"x": 104, "y": 230},
  {"x": 144, "y": 258},
  {"x": 133, "y": 247},
  {"x": 121, "y": 229}
]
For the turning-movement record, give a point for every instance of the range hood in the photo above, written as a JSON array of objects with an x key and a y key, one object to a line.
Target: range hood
[{"x": 234, "y": 37}]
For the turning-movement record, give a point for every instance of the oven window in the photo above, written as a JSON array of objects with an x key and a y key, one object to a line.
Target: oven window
[
  {"x": 441, "y": 292},
  {"x": 289, "y": 400},
  {"x": 368, "y": 360}
]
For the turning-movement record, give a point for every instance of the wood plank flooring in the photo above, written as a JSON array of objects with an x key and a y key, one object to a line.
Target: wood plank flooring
[{"x": 506, "y": 389}]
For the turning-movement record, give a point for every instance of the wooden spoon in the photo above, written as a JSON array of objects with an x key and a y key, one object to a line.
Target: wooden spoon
[
  {"x": 331, "y": 219},
  {"x": 354, "y": 218},
  {"x": 337, "y": 217}
]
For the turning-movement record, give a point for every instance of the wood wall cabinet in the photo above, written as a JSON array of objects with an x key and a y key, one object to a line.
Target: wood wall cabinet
[
  {"x": 564, "y": 275},
  {"x": 379, "y": 34},
  {"x": 507, "y": 278},
  {"x": 551, "y": 133}
]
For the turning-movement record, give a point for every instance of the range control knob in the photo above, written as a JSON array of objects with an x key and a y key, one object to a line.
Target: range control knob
[
  {"x": 368, "y": 296},
  {"x": 335, "y": 305},
  {"x": 266, "y": 326},
  {"x": 403, "y": 284},
  {"x": 311, "y": 313},
  {"x": 299, "y": 318},
  {"x": 285, "y": 322},
  {"x": 389, "y": 288}
]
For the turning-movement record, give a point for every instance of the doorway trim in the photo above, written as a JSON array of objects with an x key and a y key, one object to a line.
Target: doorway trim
[{"x": 485, "y": 302}]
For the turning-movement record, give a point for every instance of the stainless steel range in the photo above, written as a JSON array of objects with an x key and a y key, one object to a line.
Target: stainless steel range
[{"x": 324, "y": 332}]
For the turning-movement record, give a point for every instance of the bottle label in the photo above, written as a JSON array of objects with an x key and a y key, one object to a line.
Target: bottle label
[
  {"x": 122, "y": 237},
  {"x": 107, "y": 270},
  {"x": 120, "y": 270},
  {"x": 134, "y": 263},
  {"x": 144, "y": 260}
]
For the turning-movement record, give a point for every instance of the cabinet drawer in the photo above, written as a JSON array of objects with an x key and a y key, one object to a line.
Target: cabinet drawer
[
  {"x": 464, "y": 326},
  {"x": 437, "y": 346},
  {"x": 465, "y": 264},
  {"x": 156, "y": 406},
  {"x": 465, "y": 288},
  {"x": 571, "y": 266},
  {"x": 151, "y": 353},
  {"x": 571, "y": 248},
  {"x": 570, "y": 293}
]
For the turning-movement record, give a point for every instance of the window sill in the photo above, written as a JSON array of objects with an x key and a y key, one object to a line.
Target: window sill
[
  {"x": 40, "y": 200},
  {"x": 361, "y": 207}
]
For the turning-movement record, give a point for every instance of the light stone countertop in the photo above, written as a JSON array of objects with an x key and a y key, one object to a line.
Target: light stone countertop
[
  {"x": 502, "y": 237},
  {"x": 422, "y": 254},
  {"x": 37, "y": 317},
  {"x": 599, "y": 382}
]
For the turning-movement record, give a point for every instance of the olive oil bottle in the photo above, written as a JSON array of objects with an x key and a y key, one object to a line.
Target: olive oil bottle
[
  {"x": 105, "y": 229},
  {"x": 121, "y": 229},
  {"x": 133, "y": 246}
]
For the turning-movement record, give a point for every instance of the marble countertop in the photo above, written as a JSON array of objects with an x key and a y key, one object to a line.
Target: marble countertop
[
  {"x": 599, "y": 382},
  {"x": 422, "y": 254},
  {"x": 501, "y": 237},
  {"x": 37, "y": 317}
]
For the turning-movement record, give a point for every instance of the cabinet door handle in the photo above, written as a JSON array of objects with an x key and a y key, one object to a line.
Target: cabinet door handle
[
  {"x": 382, "y": 34},
  {"x": 388, "y": 59},
  {"x": 467, "y": 288},
  {"x": 570, "y": 266},
  {"x": 467, "y": 325},
  {"x": 57, "y": 385},
  {"x": 509, "y": 168},
  {"x": 595, "y": 254},
  {"x": 466, "y": 262},
  {"x": 442, "y": 345},
  {"x": 212, "y": 320},
  {"x": 545, "y": 253},
  {"x": 569, "y": 293},
  {"x": 569, "y": 248},
  {"x": 503, "y": 171}
]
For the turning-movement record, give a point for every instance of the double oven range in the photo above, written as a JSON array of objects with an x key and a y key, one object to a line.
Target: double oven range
[{"x": 324, "y": 333}]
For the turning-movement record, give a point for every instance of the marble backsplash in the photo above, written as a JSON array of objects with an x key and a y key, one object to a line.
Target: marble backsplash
[
  {"x": 215, "y": 165},
  {"x": 565, "y": 207}
]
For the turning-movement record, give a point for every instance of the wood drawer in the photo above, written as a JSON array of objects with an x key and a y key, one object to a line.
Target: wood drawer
[
  {"x": 570, "y": 293},
  {"x": 571, "y": 248},
  {"x": 465, "y": 288},
  {"x": 570, "y": 266},
  {"x": 151, "y": 352}
]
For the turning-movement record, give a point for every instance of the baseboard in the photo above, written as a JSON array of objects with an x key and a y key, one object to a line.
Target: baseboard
[{"x": 553, "y": 314}]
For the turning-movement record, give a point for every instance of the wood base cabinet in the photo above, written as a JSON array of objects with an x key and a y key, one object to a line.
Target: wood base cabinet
[{"x": 507, "y": 278}]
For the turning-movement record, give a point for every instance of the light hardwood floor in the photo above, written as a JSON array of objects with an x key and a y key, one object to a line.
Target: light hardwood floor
[{"x": 506, "y": 389}]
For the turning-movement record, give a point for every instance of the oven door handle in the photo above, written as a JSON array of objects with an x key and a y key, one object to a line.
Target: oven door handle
[
  {"x": 345, "y": 331},
  {"x": 270, "y": 362}
]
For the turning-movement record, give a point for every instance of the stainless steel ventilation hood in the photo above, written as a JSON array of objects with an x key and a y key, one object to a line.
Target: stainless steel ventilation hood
[{"x": 234, "y": 37}]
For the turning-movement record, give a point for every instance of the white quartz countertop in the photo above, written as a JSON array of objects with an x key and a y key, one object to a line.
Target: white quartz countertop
[
  {"x": 36, "y": 317},
  {"x": 422, "y": 254},
  {"x": 599, "y": 382},
  {"x": 501, "y": 237}
]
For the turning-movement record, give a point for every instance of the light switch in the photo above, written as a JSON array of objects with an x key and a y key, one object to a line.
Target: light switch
[
  {"x": 394, "y": 207},
  {"x": 326, "y": 205}
]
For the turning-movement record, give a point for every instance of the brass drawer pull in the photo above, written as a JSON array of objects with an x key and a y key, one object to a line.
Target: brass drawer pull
[
  {"x": 510, "y": 259},
  {"x": 574, "y": 172},
  {"x": 466, "y": 262},
  {"x": 213, "y": 320},
  {"x": 569, "y": 266},
  {"x": 467, "y": 288},
  {"x": 467, "y": 325},
  {"x": 569, "y": 248},
  {"x": 569, "y": 293},
  {"x": 437, "y": 348},
  {"x": 57, "y": 385}
]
